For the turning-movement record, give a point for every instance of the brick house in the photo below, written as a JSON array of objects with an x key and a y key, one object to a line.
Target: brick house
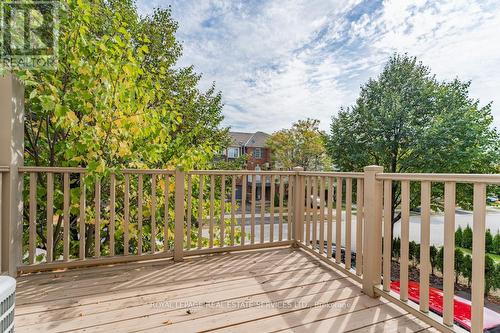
[{"x": 259, "y": 157}]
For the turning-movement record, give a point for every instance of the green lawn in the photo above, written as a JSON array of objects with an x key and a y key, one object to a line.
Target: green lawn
[{"x": 495, "y": 257}]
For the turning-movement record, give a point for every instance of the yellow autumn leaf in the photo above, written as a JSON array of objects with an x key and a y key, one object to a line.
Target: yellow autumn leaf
[
  {"x": 72, "y": 116},
  {"x": 123, "y": 149}
]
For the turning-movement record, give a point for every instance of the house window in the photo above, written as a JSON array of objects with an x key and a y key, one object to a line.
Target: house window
[
  {"x": 233, "y": 152},
  {"x": 257, "y": 178},
  {"x": 257, "y": 153}
]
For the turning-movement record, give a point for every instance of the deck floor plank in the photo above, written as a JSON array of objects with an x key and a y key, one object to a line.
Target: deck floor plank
[{"x": 255, "y": 291}]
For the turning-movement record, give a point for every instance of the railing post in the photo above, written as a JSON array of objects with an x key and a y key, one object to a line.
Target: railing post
[
  {"x": 298, "y": 204},
  {"x": 11, "y": 155},
  {"x": 372, "y": 236},
  {"x": 179, "y": 214}
]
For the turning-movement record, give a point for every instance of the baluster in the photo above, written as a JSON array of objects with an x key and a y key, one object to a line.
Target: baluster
[
  {"x": 307, "y": 218},
  {"x": 166, "y": 219},
  {"x": 280, "y": 220},
  {"x": 329, "y": 237},
  {"x": 200, "y": 212},
  {"x": 50, "y": 219},
  {"x": 153, "y": 213},
  {"x": 449, "y": 252},
  {"x": 211, "y": 220},
  {"x": 126, "y": 219},
  {"x": 405, "y": 235},
  {"x": 189, "y": 208},
  {"x": 32, "y": 219},
  {"x": 322, "y": 215},
  {"x": 97, "y": 207},
  {"x": 338, "y": 223},
  {"x": 243, "y": 207},
  {"x": 223, "y": 209},
  {"x": 140, "y": 188},
  {"x": 348, "y": 221},
  {"x": 262, "y": 206},
  {"x": 289, "y": 208},
  {"x": 233, "y": 207},
  {"x": 359, "y": 226},
  {"x": 66, "y": 201},
  {"x": 425, "y": 203},
  {"x": 478, "y": 250},
  {"x": 314, "y": 209},
  {"x": 387, "y": 235},
  {"x": 112, "y": 214},
  {"x": 252, "y": 216},
  {"x": 271, "y": 209}
]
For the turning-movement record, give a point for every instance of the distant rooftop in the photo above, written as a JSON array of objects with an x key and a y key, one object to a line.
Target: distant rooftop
[{"x": 242, "y": 139}]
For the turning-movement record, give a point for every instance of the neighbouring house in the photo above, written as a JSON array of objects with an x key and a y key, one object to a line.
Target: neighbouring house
[
  {"x": 251, "y": 144},
  {"x": 259, "y": 158}
]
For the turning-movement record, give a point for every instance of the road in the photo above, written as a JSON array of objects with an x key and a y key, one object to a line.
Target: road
[{"x": 462, "y": 218}]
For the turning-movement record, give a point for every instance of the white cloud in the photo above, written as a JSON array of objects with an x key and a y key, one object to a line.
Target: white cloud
[{"x": 277, "y": 62}]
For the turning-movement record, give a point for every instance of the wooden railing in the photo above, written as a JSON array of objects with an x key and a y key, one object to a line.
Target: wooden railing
[
  {"x": 426, "y": 182},
  {"x": 223, "y": 225},
  {"x": 373, "y": 195},
  {"x": 76, "y": 218},
  {"x": 96, "y": 211},
  {"x": 325, "y": 226},
  {"x": 73, "y": 218}
]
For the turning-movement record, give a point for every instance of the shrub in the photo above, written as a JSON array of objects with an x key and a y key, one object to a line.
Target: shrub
[
  {"x": 488, "y": 242},
  {"x": 434, "y": 258},
  {"x": 490, "y": 272},
  {"x": 414, "y": 250},
  {"x": 496, "y": 243},
  {"x": 459, "y": 237},
  {"x": 466, "y": 269},
  {"x": 440, "y": 259},
  {"x": 467, "y": 238},
  {"x": 459, "y": 260},
  {"x": 396, "y": 248}
]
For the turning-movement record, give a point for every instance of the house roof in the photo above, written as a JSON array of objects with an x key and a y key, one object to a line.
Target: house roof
[{"x": 257, "y": 139}]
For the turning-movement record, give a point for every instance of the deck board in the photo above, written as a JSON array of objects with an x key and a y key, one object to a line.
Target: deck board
[{"x": 257, "y": 291}]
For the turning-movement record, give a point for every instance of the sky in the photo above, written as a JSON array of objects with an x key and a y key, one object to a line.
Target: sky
[{"x": 280, "y": 61}]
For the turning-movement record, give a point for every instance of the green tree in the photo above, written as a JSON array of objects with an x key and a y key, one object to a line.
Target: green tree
[
  {"x": 117, "y": 99},
  {"x": 198, "y": 135},
  {"x": 467, "y": 238},
  {"x": 496, "y": 277},
  {"x": 459, "y": 260},
  {"x": 488, "y": 242},
  {"x": 466, "y": 269},
  {"x": 433, "y": 258},
  {"x": 496, "y": 243},
  {"x": 459, "y": 237},
  {"x": 407, "y": 121},
  {"x": 490, "y": 281},
  {"x": 396, "y": 248},
  {"x": 302, "y": 145},
  {"x": 440, "y": 259},
  {"x": 414, "y": 252}
]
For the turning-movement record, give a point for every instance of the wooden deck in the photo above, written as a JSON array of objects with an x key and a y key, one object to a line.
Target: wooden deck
[{"x": 258, "y": 291}]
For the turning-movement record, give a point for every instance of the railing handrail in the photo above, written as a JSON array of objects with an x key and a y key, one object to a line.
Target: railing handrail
[
  {"x": 85, "y": 170},
  {"x": 433, "y": 177},
  {"x": 442, "y": 177},
  {"x": 341, "y": 174},
  {"x": 241, "y": 172}
]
